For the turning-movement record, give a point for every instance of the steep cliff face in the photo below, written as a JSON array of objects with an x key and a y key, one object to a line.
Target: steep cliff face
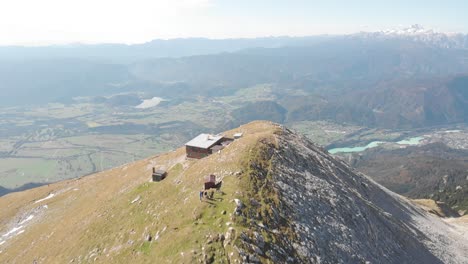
[
  {"x": 306, "y": 207},
  {"x": 282, "y": 200}
]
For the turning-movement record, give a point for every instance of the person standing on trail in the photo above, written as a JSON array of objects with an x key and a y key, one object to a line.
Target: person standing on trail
[{"x": 201, "y": 195}]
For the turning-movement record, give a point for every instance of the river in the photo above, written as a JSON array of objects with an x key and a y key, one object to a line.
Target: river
[{"x": 410, "y": 141}]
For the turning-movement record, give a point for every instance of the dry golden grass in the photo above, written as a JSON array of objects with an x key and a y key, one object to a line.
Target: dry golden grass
[{"x": 92, "y": 218}]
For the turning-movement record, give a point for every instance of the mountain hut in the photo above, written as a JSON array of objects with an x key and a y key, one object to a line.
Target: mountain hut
[{"x": 205, "y": 144}]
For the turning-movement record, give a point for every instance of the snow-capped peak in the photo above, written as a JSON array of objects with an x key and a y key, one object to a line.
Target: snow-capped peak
[
  {"x": 420, "y": 34},
  {"x": 415, "y": 29}
]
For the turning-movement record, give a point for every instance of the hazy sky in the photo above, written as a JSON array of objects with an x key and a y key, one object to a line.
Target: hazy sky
[{"x": 39, "y": 22}]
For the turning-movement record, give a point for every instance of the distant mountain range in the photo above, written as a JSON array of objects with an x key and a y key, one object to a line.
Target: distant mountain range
[
  {"x": 158, "y": 48},
  {"x": 397, "y": 78},
  {"x": 181, "y": 47},
  {"x": 420, "y": 34},
  {"x": 385, "y": 83}
]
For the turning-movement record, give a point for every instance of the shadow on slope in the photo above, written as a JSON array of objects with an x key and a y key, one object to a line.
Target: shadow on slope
[{"x": 27, "y": 186}]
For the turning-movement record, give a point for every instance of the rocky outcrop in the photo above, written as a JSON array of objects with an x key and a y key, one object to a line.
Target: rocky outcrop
[{"x": 306, "y": 207}]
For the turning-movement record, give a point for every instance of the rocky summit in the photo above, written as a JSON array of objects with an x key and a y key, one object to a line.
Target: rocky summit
[{"x": 279, "y": 199}]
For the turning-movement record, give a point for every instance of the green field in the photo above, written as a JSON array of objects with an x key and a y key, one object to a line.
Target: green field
[
  {"x": 56, "y": 141},
  {"x": 323, "y": 132},
  {"x": 15, "y": 172},
  {"x": 53, "y": 142}
]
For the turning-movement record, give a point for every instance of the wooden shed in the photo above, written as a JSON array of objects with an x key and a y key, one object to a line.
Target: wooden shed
[
  {"x": 158, "y": 175},
  {"x": 210, "y": 182}
]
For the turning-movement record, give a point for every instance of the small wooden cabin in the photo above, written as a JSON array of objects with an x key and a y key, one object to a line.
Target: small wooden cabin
[
  {"x": 210, "y": 182},
  {"x": 158, "y": 175},
  {"x": 205, "y": 144}
]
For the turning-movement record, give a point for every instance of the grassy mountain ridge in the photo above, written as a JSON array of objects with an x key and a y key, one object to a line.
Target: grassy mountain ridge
[
  {"x": 94, "y": 217},
  {"x": 282, "y": 199}
]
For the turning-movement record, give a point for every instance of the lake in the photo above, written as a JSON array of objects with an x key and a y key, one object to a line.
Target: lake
[{"x": 148, "y": 103}]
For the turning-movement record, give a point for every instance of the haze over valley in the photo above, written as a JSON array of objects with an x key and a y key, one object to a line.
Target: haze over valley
[
  {"x": 331, "y": 147},
  {"x": 357, "y": 82}
]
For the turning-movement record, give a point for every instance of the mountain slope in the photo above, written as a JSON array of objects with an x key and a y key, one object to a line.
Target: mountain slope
[
  {"x": 334, "y": 215},
  {"x": 432, "y": 171},
  {"x": 282, "y": 199}
]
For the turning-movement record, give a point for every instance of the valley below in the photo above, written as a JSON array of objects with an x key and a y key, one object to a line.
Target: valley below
[{"x": 53, "y": 142}]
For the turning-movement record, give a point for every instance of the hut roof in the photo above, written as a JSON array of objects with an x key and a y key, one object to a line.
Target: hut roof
[
  {"x": 204, "y": 141},
  {"x": 210, "y": 178},
  {"x": 160, "y": 172}
]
